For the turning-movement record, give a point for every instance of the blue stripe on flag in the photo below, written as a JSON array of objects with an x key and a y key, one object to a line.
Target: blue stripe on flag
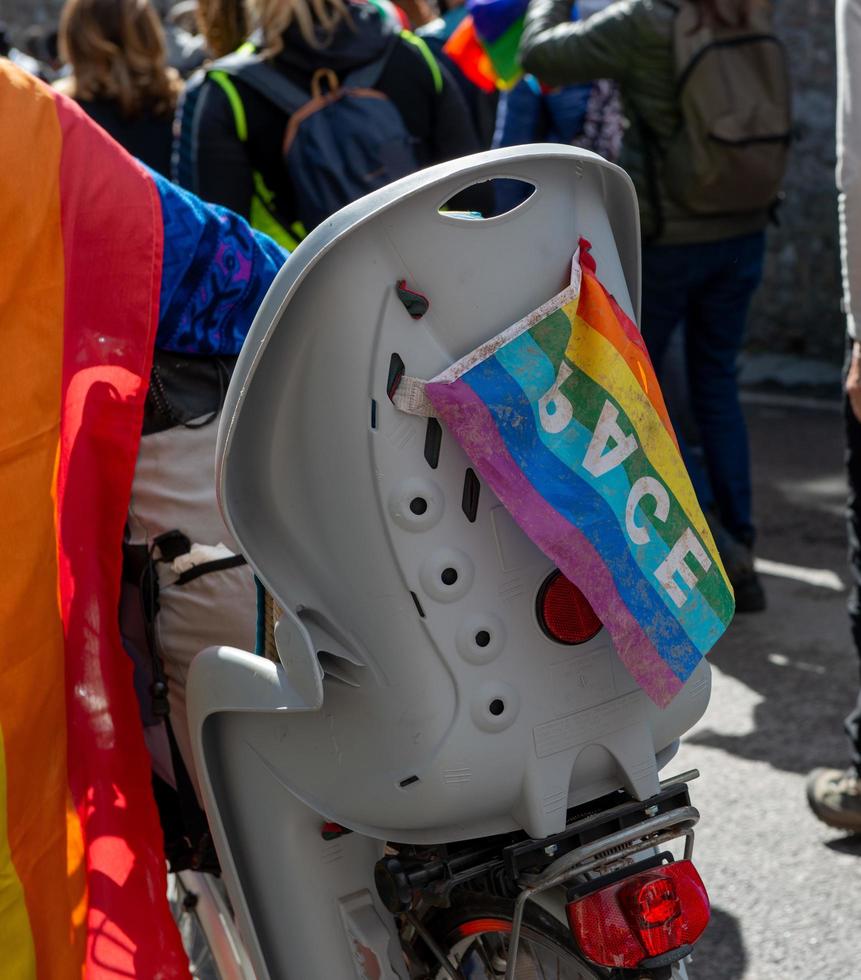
[
  {"x": 523, "y": 359},
  {"x": 582, "y": 507}
]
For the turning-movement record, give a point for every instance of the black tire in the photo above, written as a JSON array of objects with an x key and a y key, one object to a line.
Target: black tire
[{"x": 475, "y": 921}]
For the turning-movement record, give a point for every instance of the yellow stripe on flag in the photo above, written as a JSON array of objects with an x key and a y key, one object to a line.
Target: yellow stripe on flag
[
  {"x": 597, "y": 357},
  {"x": 16, "y": 939}
]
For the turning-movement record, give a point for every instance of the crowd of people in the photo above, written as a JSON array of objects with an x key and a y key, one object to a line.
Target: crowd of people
[
  {"x": 221, "y": 134},
  {"x": 211, "y": 94}
]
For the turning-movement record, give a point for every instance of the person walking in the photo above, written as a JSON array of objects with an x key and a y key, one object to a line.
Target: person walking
[
  {"x": 528, "y": 114},
  {"x": 834, "y": 795},
  {"x": 482, "y": 105},
  {"x": 120, "y": 76},
  {"x": 231, "y": 136},
  {"x": 705, "y": 194}
]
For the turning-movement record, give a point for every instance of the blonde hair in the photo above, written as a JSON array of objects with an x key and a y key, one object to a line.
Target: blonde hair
[
  {"x": 117, "y": 51},
  {"x": 273, "y": 17},
  {"x": 223, "y": 23}
]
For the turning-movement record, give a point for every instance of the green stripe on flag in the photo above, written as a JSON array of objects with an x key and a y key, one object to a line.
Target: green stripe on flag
[
  {"x": 503, "y": 55},
  {"x": 587, "y": 399}
]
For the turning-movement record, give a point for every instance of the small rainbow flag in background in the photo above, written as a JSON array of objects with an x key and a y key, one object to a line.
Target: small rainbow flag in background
[
  {"x": 484, "y": 45},
  {"x": 82, "y": 874},
  {"x": 563, "y": 417}
]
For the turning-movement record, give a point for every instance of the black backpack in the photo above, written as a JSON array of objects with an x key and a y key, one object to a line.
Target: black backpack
[{"x": 344, "y": 138}]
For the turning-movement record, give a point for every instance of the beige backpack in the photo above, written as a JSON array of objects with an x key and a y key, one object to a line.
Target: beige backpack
[{"x": 730, "y": 154}]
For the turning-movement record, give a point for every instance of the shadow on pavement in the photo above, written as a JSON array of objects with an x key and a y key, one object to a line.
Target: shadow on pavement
[
  {"x": 846, "y": 845},
  {"x": 796, "y": 659},
  {"x": 720, "y": 953},
  {"x": 805, "y": 693}
]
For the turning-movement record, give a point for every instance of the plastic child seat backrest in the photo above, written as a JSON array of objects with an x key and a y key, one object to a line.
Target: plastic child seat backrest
[{"x": 417, "y": 697}]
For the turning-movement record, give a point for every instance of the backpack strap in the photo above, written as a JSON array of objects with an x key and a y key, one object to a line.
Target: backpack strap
[
  {"x": 368, "y": 75},
  {"x": 258, "y": 73},
  {"x": 222, "y": 73},
  {"x": 223, "y": 81},
  {"x": 268, "y": 81},
  {"x": 427, "y": 54}
]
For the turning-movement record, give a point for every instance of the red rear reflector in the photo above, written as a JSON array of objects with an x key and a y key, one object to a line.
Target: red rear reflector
[
  {"x": 655, "y": 910},
  {"x": 564, "y": 612},
  {"x": 640, "y": 917}
]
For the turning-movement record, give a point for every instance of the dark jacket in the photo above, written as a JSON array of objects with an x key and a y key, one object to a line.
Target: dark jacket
[
  {"x": 211, "y": 160},
  {"x": 481, "y": 105},
  {"x": 632, "y": 42},
  {"x": 147, "y": 137}
]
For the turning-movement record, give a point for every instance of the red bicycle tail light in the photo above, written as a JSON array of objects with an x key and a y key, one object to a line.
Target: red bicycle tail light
[
  {"x": 564, "y": 613},
  {"x": 641, "y": 917},
  {"x": 655, "y": 910}
]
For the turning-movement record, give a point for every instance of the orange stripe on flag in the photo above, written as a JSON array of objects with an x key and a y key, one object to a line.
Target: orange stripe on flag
[
  {"x": 603, "y": 314},
  {"x": 32, "y": 678}
]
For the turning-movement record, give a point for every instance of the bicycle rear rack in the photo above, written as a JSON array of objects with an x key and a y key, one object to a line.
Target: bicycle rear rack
[{"x": 606, "y": 854}]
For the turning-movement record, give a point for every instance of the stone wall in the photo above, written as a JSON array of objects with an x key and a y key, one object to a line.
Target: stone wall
[{"x": 797, "y": 310}]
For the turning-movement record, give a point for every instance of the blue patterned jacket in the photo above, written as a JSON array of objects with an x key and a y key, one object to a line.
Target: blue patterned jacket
[{"x": 215, "y": 273}]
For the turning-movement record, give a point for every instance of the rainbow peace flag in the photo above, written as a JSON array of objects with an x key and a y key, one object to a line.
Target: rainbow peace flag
[
  {"x": 82, "y": 874},
  {"x": 484, "y": 44},
  {"x": 563, "y": 417}
]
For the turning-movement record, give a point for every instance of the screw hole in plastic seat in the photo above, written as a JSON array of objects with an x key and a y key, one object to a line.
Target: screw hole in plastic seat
[{"x": 418, "y": 505}]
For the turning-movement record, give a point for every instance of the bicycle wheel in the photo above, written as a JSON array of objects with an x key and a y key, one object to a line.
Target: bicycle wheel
[
  {"x": 205, "y": 920},
  {"x": 183, "y": 905},
  {"x": 475, "y": 934}
]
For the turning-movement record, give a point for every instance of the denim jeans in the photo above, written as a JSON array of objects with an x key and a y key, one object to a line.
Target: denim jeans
[
  {"x": 706, "y": 288},
  {"x": 853, "y": 529}
]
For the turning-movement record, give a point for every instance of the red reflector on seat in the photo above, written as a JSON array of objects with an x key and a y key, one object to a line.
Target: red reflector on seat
[
  {"x": 640, "y": 917},
  {"x": 564, "y": 613}
]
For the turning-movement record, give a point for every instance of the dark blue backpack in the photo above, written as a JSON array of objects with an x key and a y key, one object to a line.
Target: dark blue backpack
[{"x": 344, "y": 139}]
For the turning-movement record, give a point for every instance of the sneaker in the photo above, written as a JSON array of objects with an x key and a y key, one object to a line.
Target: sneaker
[{"x": 834, "y": 796}]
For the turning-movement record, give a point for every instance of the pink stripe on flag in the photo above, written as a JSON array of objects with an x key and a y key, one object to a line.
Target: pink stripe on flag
[{"x": 466, "y": 414}]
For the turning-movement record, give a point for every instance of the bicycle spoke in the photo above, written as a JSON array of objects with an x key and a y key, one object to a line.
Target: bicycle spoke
[
  {"x": 486, "y": 958},
  {"x": 537, "y": 959}
]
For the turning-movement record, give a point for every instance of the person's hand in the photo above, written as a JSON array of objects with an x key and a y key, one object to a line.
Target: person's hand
[{"x": 853, "y": 380}]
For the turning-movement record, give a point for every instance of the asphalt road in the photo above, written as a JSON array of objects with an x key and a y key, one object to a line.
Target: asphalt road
[{"x": 786, "y": 890}]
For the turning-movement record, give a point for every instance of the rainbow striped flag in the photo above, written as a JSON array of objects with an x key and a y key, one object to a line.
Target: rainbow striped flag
[
  {"x": 82, "y": 873},
  {"x": 563, "y": 417},
  {"x": 484, "y": 44}
]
